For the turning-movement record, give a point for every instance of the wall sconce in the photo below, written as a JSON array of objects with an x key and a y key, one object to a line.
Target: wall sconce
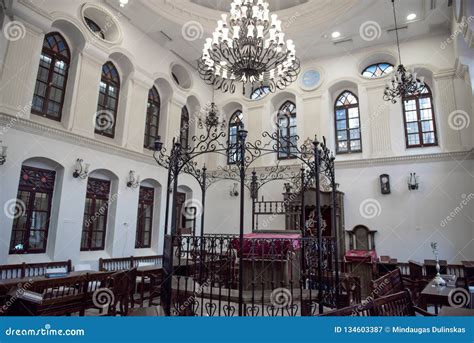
[
  {"x": 3, "y": 155},
  {"x": 233, "y": 191},
  {"x": 413, "y": 182},
  {"x": 385, "y": 184},
  {"x": 133, "y": 181},
  {"x": 81, "y": 170}
]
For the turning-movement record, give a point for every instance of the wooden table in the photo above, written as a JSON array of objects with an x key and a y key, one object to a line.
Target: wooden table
[
  {"x": 154, "y": 274},
  {"x": 433, "y": 295},
  {"x": 447, "y": 311}
]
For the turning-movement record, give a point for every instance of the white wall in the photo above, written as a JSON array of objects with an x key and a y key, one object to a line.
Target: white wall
[{"x": 445, "y": 171}]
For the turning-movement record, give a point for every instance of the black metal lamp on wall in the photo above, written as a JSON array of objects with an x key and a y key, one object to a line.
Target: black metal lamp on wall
[
  {"x": 385, "y": 184},
  {"x": 413, "y": 182},
  {"x": 81, "y": 170}
]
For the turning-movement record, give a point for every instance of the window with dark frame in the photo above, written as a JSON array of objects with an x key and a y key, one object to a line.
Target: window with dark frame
[
  {"x": 235, "y": 124},
  {"x": 95, "y": 215},
  {"x": 146, "y": 201},
  {"x": 347, "y": 121},
  {"x": 33, "y": 211},
  {"x": 419, "y": 120},
  {"x": 287, "y": 131},
  {"x": 107, "y": 106},
  {"x": 152, "y": 118},
  {"x": 94, "y": 27},
  {"x": 50, "y": 88},
  {"x": 184, "y": 128},
  {"x": 377, "y": 70}
]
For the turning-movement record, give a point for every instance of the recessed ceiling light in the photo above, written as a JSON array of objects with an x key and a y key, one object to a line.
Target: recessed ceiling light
[
  {"x": 411, "y": 16},
  {"x": 336, "y": 34},
  {"x": 123, "y": 3}
]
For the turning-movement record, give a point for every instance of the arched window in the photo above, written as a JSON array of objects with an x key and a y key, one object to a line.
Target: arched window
[
  {"x": 184, "y": 128},
  {"x": 145, "y": 217},
  {"x": 33, "y": 211},
  {"x": 377, "y": 70},
  {"x": 348, "y": 136},
  {"x": 259, "y": 92},
  {"x": 96, "y": 210},
  {"x": 94, "y": 27},
  {"x": 108, "y": 101},
  {"x": 152, "y": 118},
  {"x": 418, "y": 116},
  {"x": 235, "y": 124},
  {"x": 287, "y": 130},
  {"x": 48, "y": 98}
]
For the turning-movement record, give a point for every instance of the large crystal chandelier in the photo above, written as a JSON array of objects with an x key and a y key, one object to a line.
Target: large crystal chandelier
[
  {"x": 403, "y": 82},
  {"x": 249, "y": 47}
]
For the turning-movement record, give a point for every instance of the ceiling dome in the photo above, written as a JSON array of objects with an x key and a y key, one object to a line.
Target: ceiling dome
[{"x": 224, "y": 5}]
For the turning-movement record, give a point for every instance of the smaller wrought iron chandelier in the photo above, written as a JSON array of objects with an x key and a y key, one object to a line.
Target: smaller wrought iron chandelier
[
  {"x": 403, "y": 82},
  {"x": 211, "y": 117},
  {"x": 249, "y": 47}
]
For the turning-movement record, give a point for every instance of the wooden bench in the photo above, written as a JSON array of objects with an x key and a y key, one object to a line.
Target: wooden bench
[
  {"x": 126, "y": 263},
  {"x": 398, "y": 304},
  {"x": 58, "y": 296},
  {"x": 26, "y": 270}
]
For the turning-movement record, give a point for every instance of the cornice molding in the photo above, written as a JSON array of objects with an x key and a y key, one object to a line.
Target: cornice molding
[
  {"x": 33, "y": 127},
  {"x": 312, "y": 13},
  {"x": 72, "y": 138},
  {"x": 434, "y": 157}
]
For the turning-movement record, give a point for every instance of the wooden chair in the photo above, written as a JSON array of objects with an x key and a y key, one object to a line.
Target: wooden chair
[
  {"x": 417, "y": 278},
  {"x": 384, "y": 258},
  {"x": 394, "y": 282},
  {"x": 383, "y": 268},
  {"x": 123, "y": 287},
  {"x": 416, "y": 271},
  {"x": 398, "y": 304}
]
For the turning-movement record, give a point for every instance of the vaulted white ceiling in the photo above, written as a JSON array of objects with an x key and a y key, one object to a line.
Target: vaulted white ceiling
[{"x": 310, "y": 23}]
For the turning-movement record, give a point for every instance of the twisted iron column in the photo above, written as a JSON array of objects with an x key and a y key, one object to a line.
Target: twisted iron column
[
  {"x": 242, "y": 137},
  {"x": 318, "y": 224}
]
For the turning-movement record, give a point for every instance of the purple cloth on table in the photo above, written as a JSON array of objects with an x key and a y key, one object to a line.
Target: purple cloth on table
[{"x": 266, "y": 244}]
